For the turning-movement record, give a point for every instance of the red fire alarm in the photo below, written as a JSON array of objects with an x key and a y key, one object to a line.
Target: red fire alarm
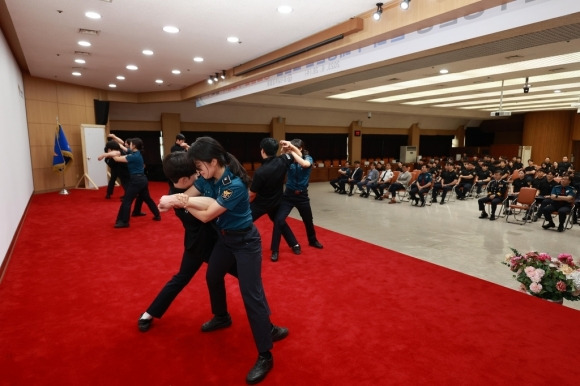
[{"x": 357, "y": 133}]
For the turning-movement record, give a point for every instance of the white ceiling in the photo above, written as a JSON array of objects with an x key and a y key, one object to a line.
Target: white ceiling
[{"x": 47, "y": 31}]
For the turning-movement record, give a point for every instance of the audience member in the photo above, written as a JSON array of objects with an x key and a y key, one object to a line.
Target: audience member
[
  {"x": 343, "y": 175},
  {"x": 421, "y": 186},
  {"x": 401, "y": 184},
  {"x": 561, "y": 200},
  {"x": 496, "y": 193}
]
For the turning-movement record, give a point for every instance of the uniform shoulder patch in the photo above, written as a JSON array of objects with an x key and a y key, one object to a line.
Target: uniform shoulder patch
[{"x": 226, "y": 194}]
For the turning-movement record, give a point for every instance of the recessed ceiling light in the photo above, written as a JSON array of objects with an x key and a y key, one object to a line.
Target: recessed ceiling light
[
  {"x": 112, "y": 85},
  {"x": 176, "y": 72},
  {"x": 443, "y": 71},
  {"x": 132, "y": 67},
  {"x": 171, "y": 29},
  {"x": 76, "y": 73},
  {"x": 92, "y": 15},
  {"x": 233, "y": 39},
  {"x": 557, "y": 91},
  {"x": 158, "y": 81},
  {"x": 84, "y": 43},
  {"x": 121, "y": 77},
  {"x": 285, "y": 9},
  {"x": 198, "y": 59},
  {"x": 147, "y": 52},
  {"x": 80, "y": 61}
]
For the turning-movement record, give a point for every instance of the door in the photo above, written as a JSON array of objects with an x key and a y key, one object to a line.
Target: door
[{"x": 93, "y": 141}]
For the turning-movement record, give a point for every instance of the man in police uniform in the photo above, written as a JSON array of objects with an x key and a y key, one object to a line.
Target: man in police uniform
[
  {"x": 561, "y": 201},
  {"x": 421, "y": 186},
  {"x": 267, "y": 189},
  {"x": 496, "y": 193}
]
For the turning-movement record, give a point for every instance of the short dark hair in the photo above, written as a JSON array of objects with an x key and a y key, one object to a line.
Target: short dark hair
[
  {"x": 180, "y": 136},
  {"x": 177, "y": 165},
  {"x": 270, "y": 146},
  {"x": 112, "y": 145}
]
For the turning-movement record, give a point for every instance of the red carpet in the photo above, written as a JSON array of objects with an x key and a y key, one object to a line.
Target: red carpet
[{"x": 357, "y": 313}]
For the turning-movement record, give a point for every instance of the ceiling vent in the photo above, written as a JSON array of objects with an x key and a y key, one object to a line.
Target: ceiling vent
[
  {"x": 83, "y": 53},
  {"x": 85, "y": 31}
]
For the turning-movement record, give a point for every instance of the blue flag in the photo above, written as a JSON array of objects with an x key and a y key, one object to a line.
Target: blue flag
[{"x": 62, "y": 152}]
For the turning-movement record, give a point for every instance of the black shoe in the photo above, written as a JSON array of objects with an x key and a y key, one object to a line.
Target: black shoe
[
  {"x": 121, "y": 224},
  {"x": 279, "y": 333},
  {"x": 483, "y": 215},
  {"x": 442, "y": 202},
  {"x": 216, "y": 323},
  {"x": 433, "y": 201},
  {"x": 316, "y": 244},
  {"x": 157, "y": 218},
  {"x": 144, "y": 324},
  {"x": 549, "y": 225},
  {"x": 526, "y": 218},
  {"x": 108, "y": 196},
  {"x": 560, "y": 228},
  {"x": 492, "y": 218},
  {"x": 380, "y": 198},
  {"x": 296, "y": 249},
  {"x": 274, "y": 256},
  {"x": 422, "y": 202},
  {"x": 342, "y": 192},
  {"x": 140, "y": 214},
  {"x": 350, "y": 194},
  {"x": 534, "y": 218},
  {"x": 416, "y": 201},
  {"x": 260, "y": 370}
]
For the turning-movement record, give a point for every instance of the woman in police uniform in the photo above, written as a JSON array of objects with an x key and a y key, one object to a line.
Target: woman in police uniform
[{"x": 223, "y": 183}]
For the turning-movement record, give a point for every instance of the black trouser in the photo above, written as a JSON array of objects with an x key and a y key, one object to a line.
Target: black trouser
[
  {"x": 138, "y": 186},
  {"x": 290, "y": 200},
  {"x": 380, "y": 189},
  {"x": 463, "y": 188},
  {"x": 245, "y": 250},
  {"x": 494, "y": 202},
  {"x": 437, "y": 187},
  {"x": 338, "y": 183},
  {"x": 190, "y": 263},
  {"x": 416, "y": 190},
  {"x": 563, "y": 209},
  {"x": 284, "y": 229}
]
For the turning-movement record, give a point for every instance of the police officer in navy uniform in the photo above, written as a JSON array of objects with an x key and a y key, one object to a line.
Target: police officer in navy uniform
[
  {"x": 421, "y": 186},
  {"x": 267, "y": 188},
  {"x": 561, "y": 200},
  {"x": 296, "y": 193},
  {"x": 496, "y": 193},
  {"x": 199, "y": 240},
  {"x": 224, "y": 187}
]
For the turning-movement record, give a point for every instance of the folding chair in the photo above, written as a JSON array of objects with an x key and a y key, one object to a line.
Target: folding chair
[
  {"x": 569, "y": 223},
  {"x": 525, "y": 204}
]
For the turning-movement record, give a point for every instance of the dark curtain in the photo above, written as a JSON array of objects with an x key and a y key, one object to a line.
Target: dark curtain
[
  {"x": 244, "y": 146},
  {"x": 435, "y": 145},
  {"x": 101, "y": 112},
  {"x": 151, "y": 151},
  {"x": 382, "y": 146},
  {"x": 478, "y": 137},
  {"x": 323, "y": 146}
]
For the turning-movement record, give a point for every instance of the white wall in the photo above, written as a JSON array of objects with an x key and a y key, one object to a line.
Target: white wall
[{"x": 15, "y": 166}]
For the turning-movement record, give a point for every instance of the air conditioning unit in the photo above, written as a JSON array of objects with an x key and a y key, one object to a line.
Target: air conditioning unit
[
  {"x": 501, "y": 113},
  {"x": 408, "y": 154}
]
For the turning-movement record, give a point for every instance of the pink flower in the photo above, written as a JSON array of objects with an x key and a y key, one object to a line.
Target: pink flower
[
  {"x": 538, "y": 275},
  {"x": 566, "y": 258},
  {"x": 544, "y": 257},
  {"x": 561, "y": 286},
  {"x": 535, "y": 288},
  {"x": 530, "y": 271}
]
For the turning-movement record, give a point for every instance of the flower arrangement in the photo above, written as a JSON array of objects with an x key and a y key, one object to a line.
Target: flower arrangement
[{"x": 544, "y": 276}]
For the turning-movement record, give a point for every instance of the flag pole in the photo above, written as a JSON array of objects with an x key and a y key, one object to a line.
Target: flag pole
[{"x": 63, "y": 191}]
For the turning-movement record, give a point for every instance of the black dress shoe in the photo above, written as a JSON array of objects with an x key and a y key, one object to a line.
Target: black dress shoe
[
  {"x": 260, "y": 370},
  {"x": 140, "y": 214},
  {"x": 108, "y": 196},
  {"x": 121, "y": 224},
  {"x": 144, "y": 324},
  {"x": 216, "y": 323},
  {"x": 492, "y": 217},
  {"x": 549, "y": 225},
  {"x": 279, "y": 333},
  {"x": 483, "y": 215},
  {"x": 157, "y": 218},
  {"x": 274, "y": 256},
  {"x": 316, "y": 244},
  {"x": 296, "y": 249},
  {"x": 560, "y": 228}
]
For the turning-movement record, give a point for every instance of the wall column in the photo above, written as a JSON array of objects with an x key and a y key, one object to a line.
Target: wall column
[
  {"x": 170, "y": 127},
  {"x": 278, "y": 128},
  {"x": 354, "y": 142}
]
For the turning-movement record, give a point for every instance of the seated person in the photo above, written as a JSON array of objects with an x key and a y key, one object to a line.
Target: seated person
[
  {"x": 353, "y": 179},
  {"x": 483, "y": 178},
  {"x": 561, "y": 200},
  {"x": 371, "y": 177},
  {"x": 544, "y": 186},
  {"x": 421, "y": 186},
  {"x": 515, "y": 187},
  {"x": 445, "y": 184},
  {"x": 383, "y": 182},
  {"x": 343, "y": 174},
  {"x": 530, "y": 171},
  {"x": 496, "y": 193},
  {"x": 401, "y": 184},
  {"x": 465, "y": 181}
]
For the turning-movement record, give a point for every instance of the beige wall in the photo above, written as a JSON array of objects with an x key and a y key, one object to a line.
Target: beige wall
[{"x": 45, "y": 101}]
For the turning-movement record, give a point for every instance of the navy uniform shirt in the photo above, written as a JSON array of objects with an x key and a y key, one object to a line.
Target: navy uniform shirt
[
  {"x": 268, "y": 181},
  {"x": 567, "y": 191},
  {"x": 424, "y": 179},
  {"x": 231, "y": 193},
  {"x": 497, "y": 188},
  {"x": 135, "y": 163},
  {"x": 298, "y": 176}
]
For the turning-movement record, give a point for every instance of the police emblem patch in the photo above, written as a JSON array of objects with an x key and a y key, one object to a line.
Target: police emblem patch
[{"x": 226, "y": 194}]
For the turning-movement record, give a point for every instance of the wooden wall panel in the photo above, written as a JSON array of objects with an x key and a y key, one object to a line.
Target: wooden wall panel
[
  {"x": 39, "y": 111},
  {"x": 549, "y": 133},
  {"x": 41, "y": 134},
  {"x": 576, "y": 128},
  {"x": 39, "y": 89},
  {"x": 135, "y": 125},
  {"x": 70, "y": 95}
]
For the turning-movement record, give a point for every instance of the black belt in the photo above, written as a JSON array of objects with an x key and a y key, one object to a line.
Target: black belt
[{"x": 235, "y": 231}]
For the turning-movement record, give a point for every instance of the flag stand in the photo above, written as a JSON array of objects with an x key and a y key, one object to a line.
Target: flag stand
[{"x": 63, "y": 191}]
